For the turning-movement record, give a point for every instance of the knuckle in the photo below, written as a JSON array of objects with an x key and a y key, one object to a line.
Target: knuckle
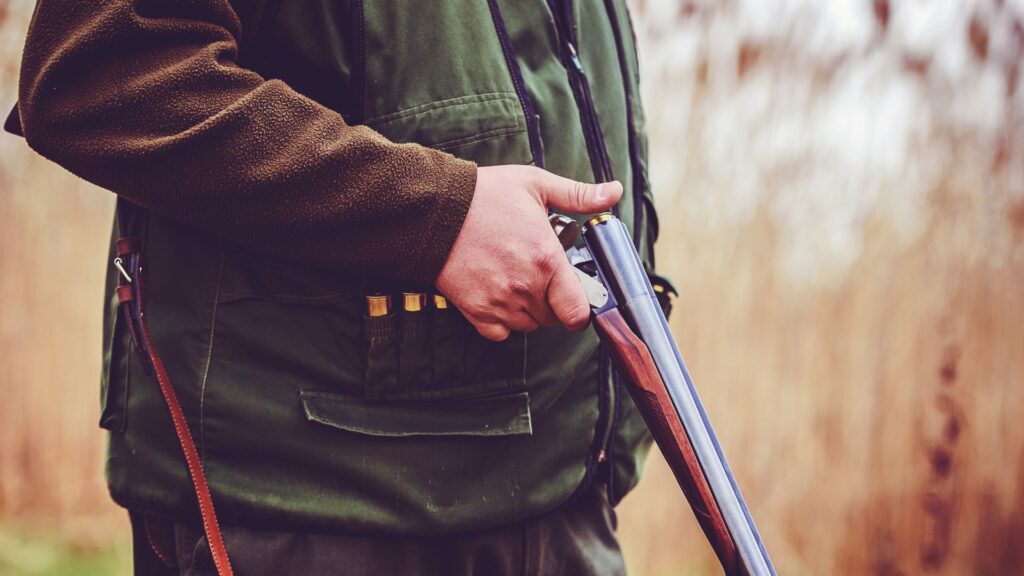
[
  {"x": 492, "y": 304},
  {"x": 579, "y": 193},
  {"x": 518, "y": 287},
  {"x": 482, "y": 310},
  {"x": 497, "y": 335},
  {"x": 534, "y": 245},
  {"x": 520, "y": 325},
  {"x": 534, "y": 176},
  {"x": 476, "y": 307},
  {"x": 544, "y": 315},
  {"x": 547, "y": 261}
]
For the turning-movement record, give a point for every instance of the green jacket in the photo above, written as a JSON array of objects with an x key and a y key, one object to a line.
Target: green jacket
[{"x": 307, "y": 412}]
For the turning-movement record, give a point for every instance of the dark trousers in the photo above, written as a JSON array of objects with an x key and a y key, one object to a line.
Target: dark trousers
[{"x": 578, "y": 539}]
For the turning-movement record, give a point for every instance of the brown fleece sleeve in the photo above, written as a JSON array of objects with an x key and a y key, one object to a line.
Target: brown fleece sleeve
[{"x": 145, "y": 98}]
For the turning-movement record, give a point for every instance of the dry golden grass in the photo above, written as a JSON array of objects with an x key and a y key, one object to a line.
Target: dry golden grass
[
  {"x": 874, "y": 426},
  {"x": 865, "y": 375},
  {"x": 53, "y": 232}
]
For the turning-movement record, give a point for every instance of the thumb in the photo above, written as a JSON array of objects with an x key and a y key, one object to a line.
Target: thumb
[{"x": 578, "y": 197}]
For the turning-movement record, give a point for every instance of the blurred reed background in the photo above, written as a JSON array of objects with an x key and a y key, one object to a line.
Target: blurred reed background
[{"x": 841, "y": 187}]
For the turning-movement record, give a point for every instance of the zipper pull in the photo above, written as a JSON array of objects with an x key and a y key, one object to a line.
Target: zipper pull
[{"x": 575, "y": 59}]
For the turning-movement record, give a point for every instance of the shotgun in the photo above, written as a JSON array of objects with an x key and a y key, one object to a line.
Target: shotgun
[{"x": 632, "y": 327}]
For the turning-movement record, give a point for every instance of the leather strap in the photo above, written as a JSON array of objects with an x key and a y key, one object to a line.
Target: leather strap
[
  {"x": 126, "y": 245},
  {"x": 134, "y": 282},
  {"x": 124, "y": 293},
  {"x": 188, "y": 447}
]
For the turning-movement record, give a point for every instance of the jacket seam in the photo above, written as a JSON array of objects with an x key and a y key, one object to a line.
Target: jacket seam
[
  {"x": 525, "y": 356},
  {"x": 207, "y": 360},
  {"x": 462, "y": 141},
  {"x": 441, "y": 105},
  {"x": 359, "y": 72},
  {"x": 628, "y": 90},
  {"x": 529, "y": 112},
  {"x": 590, "y": 461}
]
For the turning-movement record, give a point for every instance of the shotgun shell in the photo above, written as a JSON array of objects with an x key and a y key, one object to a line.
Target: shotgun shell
[
  {"x": 378, "y": 305},
  {"x": 440, "y": 302},
  {"x": 413, "y": 301},
  {"x": 602, "y": 217}
]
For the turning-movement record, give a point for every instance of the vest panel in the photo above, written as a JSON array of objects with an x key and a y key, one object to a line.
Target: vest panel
[{"x": 307, "y": 412}]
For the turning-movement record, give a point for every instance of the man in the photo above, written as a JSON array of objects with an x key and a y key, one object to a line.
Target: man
[{"x": 295, "y": 178}]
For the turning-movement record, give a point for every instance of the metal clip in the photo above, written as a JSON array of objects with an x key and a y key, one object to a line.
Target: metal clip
[{"x": 119, "y": 264}]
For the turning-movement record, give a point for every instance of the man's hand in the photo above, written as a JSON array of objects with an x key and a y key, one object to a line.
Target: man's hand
[{"x": 507, "y": 270}]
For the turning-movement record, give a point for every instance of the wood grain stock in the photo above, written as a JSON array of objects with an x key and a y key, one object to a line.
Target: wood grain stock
[{"x": 635, "y": 363}]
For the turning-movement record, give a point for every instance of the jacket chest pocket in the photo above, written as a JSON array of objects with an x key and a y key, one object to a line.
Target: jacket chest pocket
[{"x": 442, "y": 77}]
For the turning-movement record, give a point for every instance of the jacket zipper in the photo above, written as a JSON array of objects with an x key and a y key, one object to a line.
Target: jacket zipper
[
  {"x": 580, "y": 85},
  {"x": 532, "y": 120},
  {"x": 639, "y": 204},
  {"x": 562, "y": 10}
]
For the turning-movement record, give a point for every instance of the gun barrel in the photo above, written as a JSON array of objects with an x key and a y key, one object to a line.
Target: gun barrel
[{"x": 620, "y": 269}]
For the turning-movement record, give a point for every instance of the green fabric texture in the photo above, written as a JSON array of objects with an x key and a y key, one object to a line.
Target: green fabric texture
[{"x": 309, "y": 414}]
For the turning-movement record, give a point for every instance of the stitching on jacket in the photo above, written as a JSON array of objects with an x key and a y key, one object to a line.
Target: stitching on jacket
[
  {"x": 208, "y": 359},
  {"x": 525, "y": 102},
  {"x": 359, "y": 39},
  {"x": 628, "y": 89},
  {"x": 479, "y": 137},
  {"x": 525, "y": 356},
  {"x": 153, "y": 545},
  {"x": 441, "y": 105}
]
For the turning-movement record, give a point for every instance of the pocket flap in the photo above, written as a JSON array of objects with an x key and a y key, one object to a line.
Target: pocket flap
[
  {"x": 500, "y": 415},
  {"x": 454, "y": 122}
]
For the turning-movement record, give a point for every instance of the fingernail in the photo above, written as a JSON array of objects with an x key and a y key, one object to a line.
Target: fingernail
[{"x": 601, "y": 192}]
